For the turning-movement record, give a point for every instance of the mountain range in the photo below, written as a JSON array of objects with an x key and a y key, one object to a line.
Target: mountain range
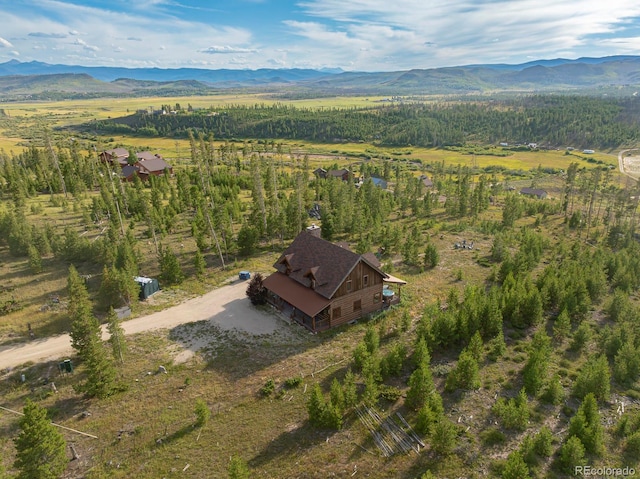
[{"x": 37, "y": 80}]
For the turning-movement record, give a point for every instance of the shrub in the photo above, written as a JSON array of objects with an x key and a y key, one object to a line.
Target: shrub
[
  {"x": 513, "y": 413},
  {"x": 203, "y": 413},
  {"x": 294, "y": 382},
  {"x": 492, "y": 436},
  {"x": 268, "y": 387}
]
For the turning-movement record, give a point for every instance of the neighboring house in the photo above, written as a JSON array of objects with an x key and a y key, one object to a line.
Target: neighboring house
[
  {"x": 152, "y": 165},
  {"x": 320, "y": 173},
  {"x": 426, "y": 181},
  {"x": 322, "y": 285},
  {"x": 129, "y": 172},
  {"x": 342, "y": 174},
  {"x": 116, "y": 156},
  {"x": 540, "y": 194},
  {"x": 379, "y": 182}
]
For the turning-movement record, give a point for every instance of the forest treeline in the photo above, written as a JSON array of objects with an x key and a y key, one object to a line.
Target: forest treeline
[{"x": 556, "y": 121}]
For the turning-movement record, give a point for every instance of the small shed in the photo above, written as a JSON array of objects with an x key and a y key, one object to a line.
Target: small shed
[{"x": 148, "y": 286}]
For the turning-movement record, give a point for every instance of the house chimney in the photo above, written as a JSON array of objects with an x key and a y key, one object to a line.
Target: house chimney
[{"x": 314, "y": 230}]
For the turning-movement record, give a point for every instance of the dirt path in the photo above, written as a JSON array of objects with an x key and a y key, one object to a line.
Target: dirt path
[{"x": 226, "y": 307}]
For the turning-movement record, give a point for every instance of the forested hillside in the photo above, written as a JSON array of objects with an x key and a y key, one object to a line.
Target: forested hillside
[{"x": 556, "y": 121}]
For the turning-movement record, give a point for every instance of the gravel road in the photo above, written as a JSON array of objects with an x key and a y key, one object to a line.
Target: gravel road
[{"x": 228, "y": 307}]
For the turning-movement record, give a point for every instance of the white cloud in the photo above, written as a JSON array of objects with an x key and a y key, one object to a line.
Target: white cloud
[
  {"x": 14, "y": 53},
  {"x": 5, "y": 43},
  {"x": 47, "y": 35},
  {"x": 226, "y": 49},
  {"x": 86, "y": 46}
]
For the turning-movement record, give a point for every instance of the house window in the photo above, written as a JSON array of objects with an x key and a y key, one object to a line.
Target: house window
[
  {"x": 357, "y": 305},
  {"x": 376, "y": 298},
  {"x": 365, "y": 280},
  {"x": 348, "y": 286},
  {"x": 337, "y": 312}
]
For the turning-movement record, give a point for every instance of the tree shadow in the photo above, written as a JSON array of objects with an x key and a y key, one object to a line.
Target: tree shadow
[{"x": 289, "y": 444}]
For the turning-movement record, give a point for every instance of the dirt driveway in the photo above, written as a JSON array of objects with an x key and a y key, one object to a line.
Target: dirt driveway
[{"x": 227, "y": 307}]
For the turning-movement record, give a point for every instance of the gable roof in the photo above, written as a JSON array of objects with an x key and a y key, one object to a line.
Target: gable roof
[
  {"x": 426, "y": 181},
  {"x": 146, "y": 156},
  {"x": 128, "y": 171},
  {"x": 532, "y": 191},
  {"x": 329, "y": 263},
  {"x": 118, "y": 153},
  {"x": 153, "y": 164},
  {"x": 338, "y": 173}
]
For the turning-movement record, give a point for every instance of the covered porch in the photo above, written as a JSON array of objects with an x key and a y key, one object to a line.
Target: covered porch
[
  {"x": 297, "y": 302},
  {"x": 392, "y": 290}
]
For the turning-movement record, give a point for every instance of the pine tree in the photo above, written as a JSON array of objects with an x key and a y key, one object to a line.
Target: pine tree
[
  {"x": 199, "y": 264},
  {"x": 170, "y": 269},
  {"x": 86, "y": 339},
  {"x": 117, "y": 338},
  {"x": 40, "y": 448},
  {"x": 431, "y": 257},
  {"x": 594, "y": 378},
  {"x": 420, "y": 386},
  {"x": 465, "y": 375},
  {"x": 35, "y": 260},
  {"x": 256, "y": 292},
  {"x": 515, "y": 468},
  {"x": 571, "y": 454},
  {"x": 444, "y": 437},
  {"x": 349, "y": 390},
  {"x": 562, "y": 326},
  {"x": 535, "y": 370},
  {"x": 586, "y": 426}
]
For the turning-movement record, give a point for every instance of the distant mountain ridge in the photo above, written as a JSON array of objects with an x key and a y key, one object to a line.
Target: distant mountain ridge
[{"x": 42, "y": 80}]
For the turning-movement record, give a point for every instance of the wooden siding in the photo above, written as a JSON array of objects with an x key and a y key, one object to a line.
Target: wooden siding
[
  {"x": 346, "y": 303},
  {"x": 356, "y": 277}
]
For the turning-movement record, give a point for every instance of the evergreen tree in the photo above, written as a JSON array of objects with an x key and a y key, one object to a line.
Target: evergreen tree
[
  {"x": 35, "y": 260},
  {"x": 86, "y": 339},
  {"x": 431, "y": 257},
  {"x": 562, "y": 326},
  {"x": 594, "y": 378},
  {"x": 117, "y": 337},
  {"x": 420, "y": 386},
  {"x": 571, "y": 455},
  {"x": 535, "y": 370},
  {"x": 199, "y": 264},
  {"x": 586, "y": 426},
  {"x": 444, "y": 437},
  {"x": 349, "y": 391},
  {"x": 515, "y": 468},
  {"x": 170, "y": 270},
  {"x": 40, "y": 448},
  {"x": 256, "y": 292},
  {"x": 465, "y": 375},
  {"x": 475, "y": 346}
]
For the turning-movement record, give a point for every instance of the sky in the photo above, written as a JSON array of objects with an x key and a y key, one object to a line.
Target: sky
[{"x": 354, "y": 35}]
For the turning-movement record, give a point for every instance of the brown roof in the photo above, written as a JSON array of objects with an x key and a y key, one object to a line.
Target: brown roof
[
  {"x": 153, "y": 164},
  {"x": 372, "y": 259},
  {"x": 330, "y": 263},
  {"x": 147, "y": 155},
  {"x": 305, "y": 299},
  {"x": 338, "y": 173},
  {"x": 118, "y": 153}
]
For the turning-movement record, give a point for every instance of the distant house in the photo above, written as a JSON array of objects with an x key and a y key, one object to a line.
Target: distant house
[
  {"x": 154, "y": 166},
  {"x": 322, "y": 285},
  {"x": 589, "y": 152},
  {"x": 129, "y": 172},
  {"x": 320, "y": 173},
  {"x": 540, "y": 194},
  {"x": 116, "y": 156},
  {"x": 426, "y": 181},
  {"x": 379, "y": 182},
  {"x": 342, "y": 174}
]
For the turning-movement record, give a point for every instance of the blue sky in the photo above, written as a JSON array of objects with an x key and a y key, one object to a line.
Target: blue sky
[{"x": 362, "y": 35}]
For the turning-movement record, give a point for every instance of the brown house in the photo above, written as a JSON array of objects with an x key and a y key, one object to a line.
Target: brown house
[
  {"x": 116, "y": 156},
  {"x": 151, "y": 165},
  {"x": 323, "y": 285}
]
